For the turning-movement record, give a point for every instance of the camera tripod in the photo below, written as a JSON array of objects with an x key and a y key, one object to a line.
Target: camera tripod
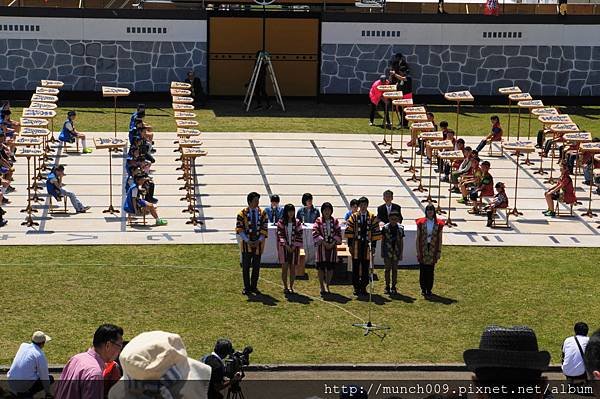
[
  {"x": 368, "y": 327},
  {"x": 235, "y": 391},
  {"x": 263, "y": 58}
]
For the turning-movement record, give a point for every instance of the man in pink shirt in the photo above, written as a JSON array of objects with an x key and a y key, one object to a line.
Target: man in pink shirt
[
  {"x": 376, "y": 96},
  {"x": 82, "y": 376}
]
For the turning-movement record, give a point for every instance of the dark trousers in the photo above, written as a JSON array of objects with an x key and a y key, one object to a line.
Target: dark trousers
[
  {"x": 482, "y": 144},
  {"x": 250, "y": 261},
  {"x": 360, "y": 273},
  {"x": 374, "y": 110},
  {"x": 426, "y": 277},
  {"x": 35, "y": 388}
]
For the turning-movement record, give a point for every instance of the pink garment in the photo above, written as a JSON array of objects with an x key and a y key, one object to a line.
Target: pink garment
[
  {"x": 374, "y": 94},
  {"x": 82, "y": 377}
]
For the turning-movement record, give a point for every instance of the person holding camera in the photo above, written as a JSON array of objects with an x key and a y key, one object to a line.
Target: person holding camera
[
  {"x": 252, "y": 229},
  {"x": 218, "y": 380}
]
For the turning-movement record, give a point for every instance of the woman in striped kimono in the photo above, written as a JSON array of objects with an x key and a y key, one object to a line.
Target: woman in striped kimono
[
  {"x": 289, "y": 242},
  {"x": 327, "y": 235}
]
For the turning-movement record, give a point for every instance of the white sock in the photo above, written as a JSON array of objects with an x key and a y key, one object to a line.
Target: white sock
[{"x": 83, "y": 143}]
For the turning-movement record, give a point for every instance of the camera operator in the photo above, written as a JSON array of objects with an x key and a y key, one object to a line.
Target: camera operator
[{"x": 218, "y": 380}]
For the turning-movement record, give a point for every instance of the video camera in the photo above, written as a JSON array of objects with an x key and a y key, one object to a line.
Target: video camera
[{"x": 236, "y": 361}]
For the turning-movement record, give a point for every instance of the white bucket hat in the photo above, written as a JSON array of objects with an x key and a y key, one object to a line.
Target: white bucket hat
[{"x": 158, "y": 361}]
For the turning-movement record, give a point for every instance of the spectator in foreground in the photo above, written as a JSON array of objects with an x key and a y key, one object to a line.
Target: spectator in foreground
[
  {"x": 509, "y": 357},
  {"x": 214, "y": 361},
  {"x": 274, "y": 212},
  {"x": 156, "y": 365},
  {"x": 592, "y": 361},
  {"x": 28, "y": 373},
  {"x": 573, "y": 350},
  {"x": 82, "y": 375}
]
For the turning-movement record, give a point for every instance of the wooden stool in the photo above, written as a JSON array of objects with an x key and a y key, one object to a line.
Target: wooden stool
[
  {"x": 131, "y": 219},
  {"x": 51, "y": 210},
  {"x": 557, "y": 207},
  {"x": 507, "y": 213}
]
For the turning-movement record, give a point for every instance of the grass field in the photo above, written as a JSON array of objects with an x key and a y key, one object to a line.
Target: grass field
[
  {"x": 195, "y": 291},
  {"x": 305, "y": 116}
]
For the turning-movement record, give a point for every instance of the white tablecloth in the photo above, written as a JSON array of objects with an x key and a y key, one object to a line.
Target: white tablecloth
[{"x": 270, "y": 254}]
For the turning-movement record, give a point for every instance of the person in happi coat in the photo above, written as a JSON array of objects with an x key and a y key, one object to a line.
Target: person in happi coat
[
  {"x": 429, "y": 248},
  {"x": 327, "y": 235},
  {"x": 289, "y": 242},
  {"x": 362, "y": 233}
]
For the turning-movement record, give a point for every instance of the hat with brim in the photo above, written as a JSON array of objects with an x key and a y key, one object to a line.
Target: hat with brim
[
  {"x": 153, "y": 355},
  {"x": 507, "y": 347},
  {"x": 39, "y": 337}
]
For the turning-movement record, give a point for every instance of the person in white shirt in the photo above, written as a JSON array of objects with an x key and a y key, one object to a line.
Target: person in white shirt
[
  {"x": 572, "y": 354},
  {"x": 28, "y": 373}
]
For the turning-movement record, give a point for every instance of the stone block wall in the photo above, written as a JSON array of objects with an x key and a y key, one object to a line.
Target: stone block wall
[
  {"x": 540, "y": 70},
  {"x": 89, "y": 65}
]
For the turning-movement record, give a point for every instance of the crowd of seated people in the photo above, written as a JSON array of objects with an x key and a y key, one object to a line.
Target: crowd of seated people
[
  {"x": 155, "y": 364},
  {"x": 8, "y": 130},
  {"x": 139, "y": 190}
]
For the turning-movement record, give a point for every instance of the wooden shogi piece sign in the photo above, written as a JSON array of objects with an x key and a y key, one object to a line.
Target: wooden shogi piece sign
[
  {"x": 34, "y": 131},
  {"x": 509, "y": 90},
  {"x": 51, "y": 91},
  {"x": 184, "y": 115},
  {"x": 422, "y": 126},
  {"x": 190, "y": 142},
  {"x": 385, "y": 88},
  {"x": 102, "y": 143},
  {"x": 108, "y": 91},
  {"x": 183, "y": 107},
  {"x": 519, "y": 146},
  {"x": 404, "y": 102},
  {"x": 27, "y": 141},
  {"x": 414, "y": 110},
  {"x": 43, "y": 98},
  {"x": 183, "y": 132},
  {"x": 186, "y": 123},
  {"x": 34, "y": 122},
  {"x": 415, "y": 117},
  {"x": 564, "y": 128},
  {"x": 29, "y": 152},
  {"x": 464, "y": 95},
  {"x": 555, "y": 119},
  {"x": 38, "y": 113},
  {"x": 183, "y": 100},
  {"x": 441, "y": 145},
  {"x": 531, "y": 104},
  {"x": 520, "y": 97},
  {"x": 453, "y": 155},
  {"x": 193, "y": 152},
  {"x": 39, "y": 105},
  {"x": 57, "y": 84},
  {"x": 431, "y": 136},
  {"x": 181, "y": 92},
  {"x": 393, "y": 95},
  {"x": 579, "y": 137},
  {"x": 181, "y": 85},
  {"x": 591, "y": 147},
  {"x": 544, "y": 111}
]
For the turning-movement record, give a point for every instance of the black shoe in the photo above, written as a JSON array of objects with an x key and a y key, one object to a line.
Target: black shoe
[
  {"x": 393, "y": 290},
  {"x": 5, "y": 200},
  {"x": 489, "y": 223},
  {"x": 256, "y": 291},
  {"x": 246, "y": 291},
  {"x": 355, "y": 293},
  {"x": 10, "y": 189},
  {"x": 3, "y": 223},
  {"x": 429, "y": 293},
  {"x": 424, "y": 293},
  {"x": 153, "y": 200},
  {"x": 387, "y": 291},
  {"x": 286, "y": 291},
  {"x": 153, "y": 150}
]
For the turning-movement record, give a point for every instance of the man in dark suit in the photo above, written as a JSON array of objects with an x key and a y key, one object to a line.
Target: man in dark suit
[{"x": 383, "y": 211}]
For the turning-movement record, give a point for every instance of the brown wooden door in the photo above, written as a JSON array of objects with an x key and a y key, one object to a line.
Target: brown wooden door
[{"x": 292, "y": 42}]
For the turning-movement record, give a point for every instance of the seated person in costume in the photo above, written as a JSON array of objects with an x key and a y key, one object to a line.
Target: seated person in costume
[
  {"x": 430, "y": 118},
  {"x": 463, "y": 168},
  {"x": 135, "y": 202},
  {"x": 485, "y": 188},
  {"x": 500, "y": 201},
  {"x": 473, "y": 179},
  {"x": 495, "y": 134},
  {"x": 450, "y": 166},
  {"x": 54, "y": 183},
  {"x": 562, "y": 191},
  {"x": 69, "y": 134}
]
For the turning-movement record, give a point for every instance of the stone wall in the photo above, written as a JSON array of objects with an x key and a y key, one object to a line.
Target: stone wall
[
  {"x": 541, "y": 70},
  {"x": 89, "y": 65}
]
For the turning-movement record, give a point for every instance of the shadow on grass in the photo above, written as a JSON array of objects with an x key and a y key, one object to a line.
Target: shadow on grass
[
  {"x": 402, "y": 298},
  {"x": 298, "y": 298},
  {"x": 265, "y": 299},
  {"x": 441, "y": 299},
  {"x": 375, "y": 298},
  {"x": 337, "y": 298}
]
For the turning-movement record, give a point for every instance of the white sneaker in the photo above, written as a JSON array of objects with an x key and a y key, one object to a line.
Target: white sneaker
[{"x": 371, "y": 124}]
